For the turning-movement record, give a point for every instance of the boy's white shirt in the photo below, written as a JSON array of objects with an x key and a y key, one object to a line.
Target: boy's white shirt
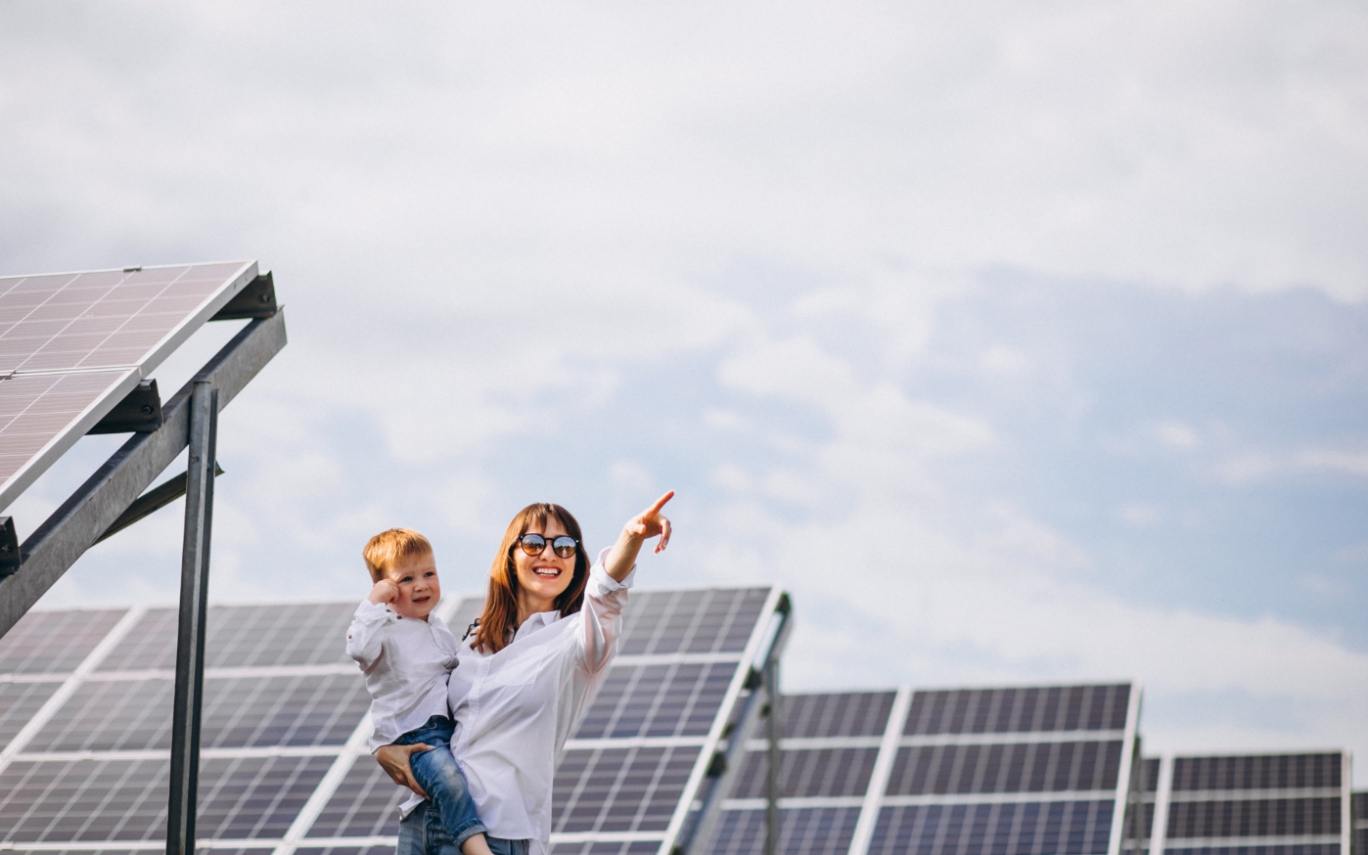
[{"x": 406, "y": 662}]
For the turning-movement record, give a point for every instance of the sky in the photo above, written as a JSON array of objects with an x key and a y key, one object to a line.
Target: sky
[{"x": 1020, "y": 342}]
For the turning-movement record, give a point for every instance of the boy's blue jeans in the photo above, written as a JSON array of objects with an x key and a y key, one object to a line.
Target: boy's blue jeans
[
  {"x": 421, "y": 834},
  {"x": 439, "y": 776}
]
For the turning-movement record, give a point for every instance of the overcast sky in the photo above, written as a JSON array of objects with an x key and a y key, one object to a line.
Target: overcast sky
[{"x": 1020, "y": 342}]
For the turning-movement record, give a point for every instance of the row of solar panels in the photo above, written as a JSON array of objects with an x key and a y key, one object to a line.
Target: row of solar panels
[{"x": 85, "y": 715}]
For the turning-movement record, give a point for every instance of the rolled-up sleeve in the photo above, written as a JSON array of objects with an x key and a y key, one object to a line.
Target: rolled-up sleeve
[{"x": 604, "y": 600}]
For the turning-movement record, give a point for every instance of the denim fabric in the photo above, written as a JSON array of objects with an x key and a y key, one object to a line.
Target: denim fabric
[
  {"x": 421, "y": 833},
  {"x": 437, "y": 773}
]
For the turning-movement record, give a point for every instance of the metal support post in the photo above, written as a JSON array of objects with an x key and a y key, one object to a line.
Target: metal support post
[
  {"x": 199, "y": 515},
  {"x": 775, "y": 729}
]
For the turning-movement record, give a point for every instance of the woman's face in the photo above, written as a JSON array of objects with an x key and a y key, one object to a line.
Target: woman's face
[{"x": 543, "y": 577}]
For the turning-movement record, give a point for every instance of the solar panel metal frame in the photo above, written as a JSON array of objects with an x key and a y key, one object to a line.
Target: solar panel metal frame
[{"x": 128, "y": 376}]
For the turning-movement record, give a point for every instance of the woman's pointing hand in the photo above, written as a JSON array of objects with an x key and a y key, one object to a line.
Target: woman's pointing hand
[
  {"x": 652, "y": 522},
  {"x": 643, "y": 526}
]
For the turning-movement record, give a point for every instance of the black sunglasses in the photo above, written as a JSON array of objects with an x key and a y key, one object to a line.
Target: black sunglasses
[{"x": 534, "y": 544}]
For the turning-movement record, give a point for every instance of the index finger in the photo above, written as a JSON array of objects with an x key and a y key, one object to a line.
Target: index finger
[{"x": 660, "y": 503}]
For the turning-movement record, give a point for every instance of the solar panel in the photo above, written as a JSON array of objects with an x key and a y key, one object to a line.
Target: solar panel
[
  {"x": 1276, "y": 804},
  {"x": 53, "y": 642},
  {"x": 1360, "y": 813},
  {"x": 73, "y": 344},
  {"x": 285, "y": 762},
  {"x": 84, "y": 703},
  {"x": 1016, "y": 771}
]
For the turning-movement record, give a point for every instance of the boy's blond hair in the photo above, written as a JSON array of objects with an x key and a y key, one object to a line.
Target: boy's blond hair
[{"x": 388, "y": 548}]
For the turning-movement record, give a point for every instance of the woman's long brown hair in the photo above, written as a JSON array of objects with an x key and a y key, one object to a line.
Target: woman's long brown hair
[{"x": 499, "y": 621}]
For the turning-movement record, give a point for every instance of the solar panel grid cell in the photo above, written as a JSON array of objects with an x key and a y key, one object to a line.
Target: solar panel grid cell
[
  {"x": 619, "y": 789},
  {"x": 1359, "y": 803},
  {"x": 241, "y": 637},
  {"x": 705, "y": 621},
  {"x": 680, "y": 699},
  {"x": 802, "y": 831},
  {"x": 1054, "y": 708},
  {"x": 246, "y": 797},
  {"x": 365, "y": 804},
  {"x": 54, "y": 642},
  {"x": 134, "y": 715},
  {"x": 1257, "y": 772},
  {"x": 607, "y": 847},
  {"x": 837, "y": 714},
  {"x": 1138, "y": 821},
  {"x": 18, "y": 703},
  {"x": 1052, "y": 828},
  {"x": 809, "y": 773},
  {"x": 36, "y": 409},
  {"x": 83, "y": 800},
  {"x": 1150, "y": 770},
  {"x": 1010, "y": 768},
  {"x": 344, "y": 850},
  {"x": 125, "y": 800},
  {"x": 148, "y": 850},
  {"x": 1293, "y": 849},
  {"x": 1254, "y": 818},
  {"x": 100, "y": 318}
]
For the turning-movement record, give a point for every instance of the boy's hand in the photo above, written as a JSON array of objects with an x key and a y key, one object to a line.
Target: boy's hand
[{"x": 384, "y": 591}]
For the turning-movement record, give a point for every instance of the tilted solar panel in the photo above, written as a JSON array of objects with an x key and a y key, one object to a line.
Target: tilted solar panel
[
  {"x": 72, "y": 345},
  {"x": 85, "y": 709},
  {"x": 1360, "y": 812},
  {"x": 1018, "y": 771},
  {"x": 1269, "y": 804}
]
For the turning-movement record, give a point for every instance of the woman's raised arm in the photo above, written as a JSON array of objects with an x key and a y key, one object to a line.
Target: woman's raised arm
[{"x": 638, "y": 530}]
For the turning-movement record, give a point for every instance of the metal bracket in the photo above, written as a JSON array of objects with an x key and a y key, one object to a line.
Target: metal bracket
[
  {"x": 139, "y": 412},
  {"x": 9, "y": 546},
  {"x": 256, "y": 300},
  {"x": 152, "y": 501}
]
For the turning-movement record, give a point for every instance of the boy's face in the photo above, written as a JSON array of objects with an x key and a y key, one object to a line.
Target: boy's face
[{"x": 419, "y": 589}]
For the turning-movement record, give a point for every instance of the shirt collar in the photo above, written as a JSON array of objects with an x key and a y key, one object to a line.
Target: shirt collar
[{"x": 536, "y": 622}]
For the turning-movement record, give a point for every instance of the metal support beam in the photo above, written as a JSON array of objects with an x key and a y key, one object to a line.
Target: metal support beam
[
  {"x": 194, "y": 606},
  {"x": 149, "y": 503},
  {"x": 774, "y": 720},
  {"x": 93, "y": 508},
  {"x": 726, "y": 765}
]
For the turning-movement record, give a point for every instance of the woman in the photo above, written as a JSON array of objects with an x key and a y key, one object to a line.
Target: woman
[{"x": 526, "y": 674}]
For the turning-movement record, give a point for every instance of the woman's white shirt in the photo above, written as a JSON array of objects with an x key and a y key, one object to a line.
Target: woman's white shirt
[{"x": 514, "y": 709}]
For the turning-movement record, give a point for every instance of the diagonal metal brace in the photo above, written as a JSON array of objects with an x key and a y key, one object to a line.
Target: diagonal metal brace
[{"x": 105, "y": 495}]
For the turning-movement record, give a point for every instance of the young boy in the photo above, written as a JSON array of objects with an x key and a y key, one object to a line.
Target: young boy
[{"x": 407, "y": 654}]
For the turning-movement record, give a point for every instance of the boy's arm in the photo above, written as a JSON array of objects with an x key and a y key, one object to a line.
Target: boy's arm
[{"x": 364, "y": 636}]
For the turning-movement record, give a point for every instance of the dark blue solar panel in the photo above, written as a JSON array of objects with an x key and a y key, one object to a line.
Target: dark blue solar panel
[
  {"x": 1254, "y": 818},
  {"x": 809, "y": 772},
  {"x": 1033, "y": 828},
  {"x": 1030, "y": 767},
  {"x": 802, "y": 831},
  {"x": 1257, "y": 772},
  {"x": 1050, "y": 708}
]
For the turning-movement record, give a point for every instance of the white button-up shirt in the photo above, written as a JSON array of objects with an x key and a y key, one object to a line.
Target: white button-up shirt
[
  {"x": 406, "y": 663},
  {"x": 514, "y": 709}
]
